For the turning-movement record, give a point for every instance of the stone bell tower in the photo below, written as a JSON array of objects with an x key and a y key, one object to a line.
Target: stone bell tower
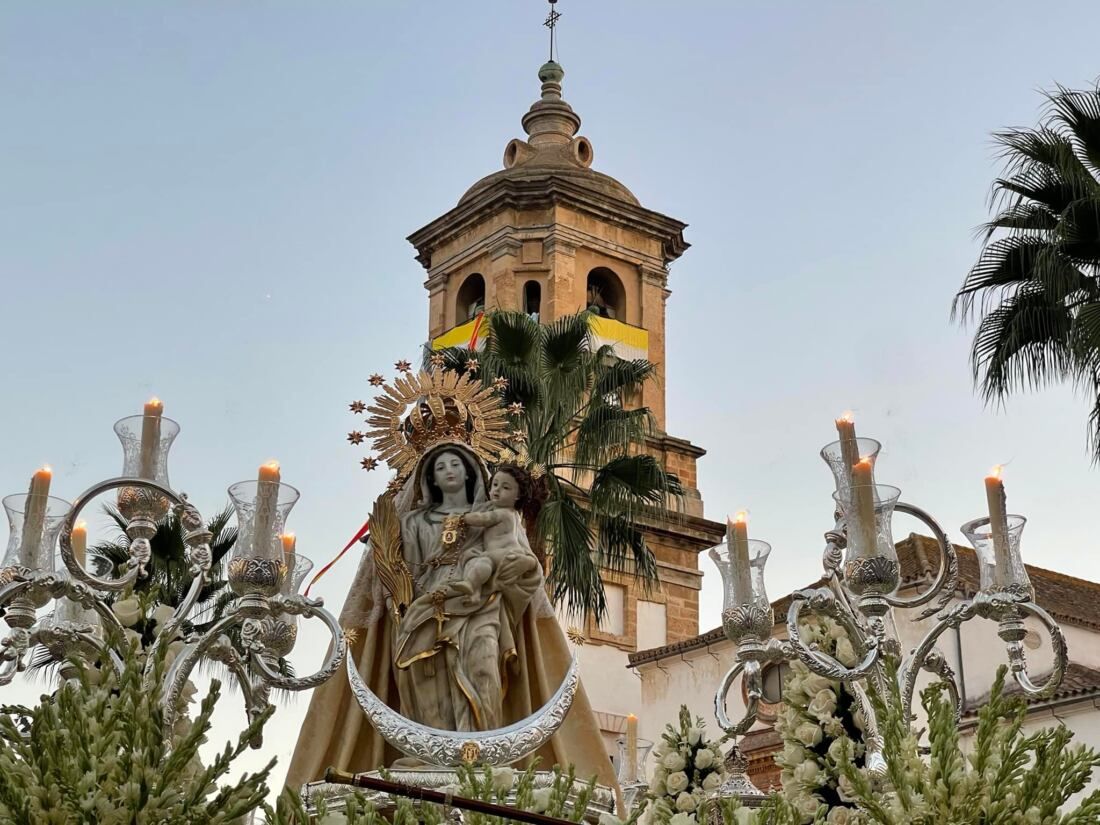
[{"x": 550, "y": 236}]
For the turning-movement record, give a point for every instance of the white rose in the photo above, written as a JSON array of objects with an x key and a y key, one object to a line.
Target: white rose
[
  {"x": 704, "y": 758},
  {"x": 673, "y": 761},
  {"x": 161, "y": 616},
  {"x": 127, "y": 611},
  {"x": 814, "y": 684},
  {"x": 659, "y": 774},
  {"x": 837, "y": 746},
  {"x": 661, "y": 748},
  {"x": 823, "y": 704},
  {"x": 174, "y": 650},
  {"x": 133, "y": 638},
  {"x": 187, "y": 692},
  {"x": 676, "y": 782},
  {"x": 744, "y": 816},
  {"x": 657, "y": 787},
  {"x": 685, "y": 802},
  {"x": 682, "y": 819},
  {"x": 503, "y": 779},
  {"x": 808, "y": 773},
  {"x": 839, "y": 816},
  {"x": 808, "y": 734},
  {"x": 832, "y": 726},
  {"x": 712, "y": 781},
  {"x": 609, "y": 819},
  {"x": 837, "y": 631},
  {"x": 808, "y": 805},
  {"x": 793, "y": 754},
  {"x": 845, "y": 653},
  {"x": 540, "y": 799},
  {"x": 694, "y": 736},
  {"x": 335, "y": 818},
  {"x": 845, "y": 789}
]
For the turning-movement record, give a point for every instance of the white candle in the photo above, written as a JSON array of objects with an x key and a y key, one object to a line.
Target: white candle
[
  {"x": 998, "y": 524},
  {"x": 737, "y": 538},
  {"x": 34, "y": 519},
  {"x": 267, "y": 496},
  {"x": 861, "y": 519},
  {"x": 631, "y": 766},
  {"x": 79, "y": 540},
  {"x": 150, "y": 438},
  {"x": 849, "y": 450}
]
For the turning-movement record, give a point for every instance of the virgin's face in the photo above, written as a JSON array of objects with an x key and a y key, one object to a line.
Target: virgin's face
[{"x": 449, "y": 472}]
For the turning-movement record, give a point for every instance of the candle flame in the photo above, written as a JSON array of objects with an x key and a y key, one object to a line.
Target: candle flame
[
  {"x": 847, "y": 417},
  {"x": 47, "y": 469},
  {"x": 81, "y": 525},
  {"x": 741, "y": 517},
  {"x": 156, "y": 402},
  {"x": 289, "y": 536},
  {"x": 996, "y": 472},
  {"x": 272, "y": 465},
  {"x": 631, "y": 717},
  {"x": 865, "y": 460}
]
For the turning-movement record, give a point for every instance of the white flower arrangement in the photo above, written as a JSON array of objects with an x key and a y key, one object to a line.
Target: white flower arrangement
[{"x": 689, "y": 769}]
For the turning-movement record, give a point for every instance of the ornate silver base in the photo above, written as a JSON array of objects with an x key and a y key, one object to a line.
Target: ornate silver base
[
  {"x": 736, "y": 784},
  {"x": 603, "y": 799}
]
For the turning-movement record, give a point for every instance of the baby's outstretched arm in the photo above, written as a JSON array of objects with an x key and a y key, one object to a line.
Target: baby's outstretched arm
[{"x": 485, "y": 518}]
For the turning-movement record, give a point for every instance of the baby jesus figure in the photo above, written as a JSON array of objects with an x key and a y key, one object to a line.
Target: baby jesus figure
[{"x": 505, "y": 539}]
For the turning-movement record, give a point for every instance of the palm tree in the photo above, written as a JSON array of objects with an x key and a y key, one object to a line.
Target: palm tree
[
  {"x": 1036, "y": 285},
  {"x": 572, "y": 420}
]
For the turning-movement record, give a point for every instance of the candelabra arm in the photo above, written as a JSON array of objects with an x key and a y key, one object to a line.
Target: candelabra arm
[
  {"x": 821, "y": 600},
  {"x": 919, "y": 656},
  {"x": 75, "y": 569},
  {"x": 178, "y": 674},
  {"x": 1017, "y": 657},
  {"x": 301, "y": 606},
  {"x": 750, "y": 674},
  {"x": 947, "y": 577}
]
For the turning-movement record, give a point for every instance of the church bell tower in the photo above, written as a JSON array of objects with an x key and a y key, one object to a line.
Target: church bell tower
[{"x": 550, "y": 236}]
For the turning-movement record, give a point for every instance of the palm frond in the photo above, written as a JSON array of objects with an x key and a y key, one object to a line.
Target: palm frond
[{"x": 574, "y": 572}]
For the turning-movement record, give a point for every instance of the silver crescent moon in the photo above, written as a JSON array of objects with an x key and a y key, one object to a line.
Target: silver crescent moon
[{"x": 444, "y": 748}]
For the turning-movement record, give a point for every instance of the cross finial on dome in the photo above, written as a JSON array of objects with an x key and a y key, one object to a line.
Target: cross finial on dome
[{"x": 551, "y": 23}]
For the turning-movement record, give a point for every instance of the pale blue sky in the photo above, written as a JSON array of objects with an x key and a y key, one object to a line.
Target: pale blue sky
[{"x": 208, "y": 201}]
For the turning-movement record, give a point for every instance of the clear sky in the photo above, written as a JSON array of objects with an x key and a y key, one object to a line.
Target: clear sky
[{"x": 208, "y": 201}]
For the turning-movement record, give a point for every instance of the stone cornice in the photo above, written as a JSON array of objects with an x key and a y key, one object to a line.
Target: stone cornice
[{"x": 542, "y": 191}]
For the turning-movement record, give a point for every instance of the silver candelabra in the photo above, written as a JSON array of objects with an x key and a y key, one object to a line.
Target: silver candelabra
[
  {"x": 264, "y": 572},
  {"x": 861, "y": 582}
]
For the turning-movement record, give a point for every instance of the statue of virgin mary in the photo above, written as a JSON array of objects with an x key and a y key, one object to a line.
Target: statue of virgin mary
[{"x": 444, "y": 659}]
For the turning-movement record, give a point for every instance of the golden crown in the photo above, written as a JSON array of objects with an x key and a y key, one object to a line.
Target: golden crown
[{"x": 417, "y": 411}]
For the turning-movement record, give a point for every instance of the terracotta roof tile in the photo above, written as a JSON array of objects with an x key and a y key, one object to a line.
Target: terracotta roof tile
[{"x": 1078, "y": 681}]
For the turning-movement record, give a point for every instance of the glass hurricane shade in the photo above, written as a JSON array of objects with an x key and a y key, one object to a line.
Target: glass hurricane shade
[
  {"x": 262, "y": 508},
  {"x": 298, "y": 568},
  {"x": 735, "y": 581},
  {"x": 874, "y": 539},
  {"x": 624, "y": 773},
  {"x": 999, "y": 569},
  {"x": 139, "y": 462},
  {"x": 27, "y": 546},
  {"x": 832, "y": 454}
]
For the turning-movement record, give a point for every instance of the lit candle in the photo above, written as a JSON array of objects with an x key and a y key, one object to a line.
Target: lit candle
[
  {"x": 849, "y": 450},
  {"x": 289, "y": 543},
  {"x": 631, "y": 748},
  {"x": 80, "y": 542},
  {"x": 998, "y": 523},
  {"x": 737, "y": 538},
  {"x": 267, "y": 496},
  {"x": 861, "y": 521},
  {"x": 150, "y": 438},
  {"x": 34, "y": 518}
]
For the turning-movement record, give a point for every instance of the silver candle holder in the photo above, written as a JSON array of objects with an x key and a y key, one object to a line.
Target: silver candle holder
[
  {"x": 263, "y": 579},
  {"x": 862, "y": 575}
]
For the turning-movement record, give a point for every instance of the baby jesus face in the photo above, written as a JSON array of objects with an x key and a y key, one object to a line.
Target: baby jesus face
[{"x": 504, "y": 491}]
